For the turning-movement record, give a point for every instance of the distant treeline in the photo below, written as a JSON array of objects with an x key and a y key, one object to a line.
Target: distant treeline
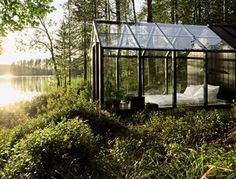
[
  {"x": 35, "y": 67},
  {"x": 32, "y": 67}
]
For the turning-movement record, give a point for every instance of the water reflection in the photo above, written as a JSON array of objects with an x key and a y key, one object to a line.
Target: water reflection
[{"x": 17, "y": 88}]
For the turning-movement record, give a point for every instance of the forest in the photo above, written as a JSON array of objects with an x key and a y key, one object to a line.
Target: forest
[
  {"x": 69, "y": 46},
  {"x": 31, "y": 67}
]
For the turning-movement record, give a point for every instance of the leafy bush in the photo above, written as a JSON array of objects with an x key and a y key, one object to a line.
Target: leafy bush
[
  {"x": 66, "y": 136},
  {"x": 180, "y": 144},
  {"x": 59, "y": 106},
  {"x": 9, "y": 119},
  {"x": 63, "y": 151}
]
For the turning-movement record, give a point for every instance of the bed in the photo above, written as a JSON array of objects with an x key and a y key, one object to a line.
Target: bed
[{"x": 192, "y": 96}]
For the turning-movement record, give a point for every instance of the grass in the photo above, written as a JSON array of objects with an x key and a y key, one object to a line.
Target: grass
[{"x": 62, "y": 128}]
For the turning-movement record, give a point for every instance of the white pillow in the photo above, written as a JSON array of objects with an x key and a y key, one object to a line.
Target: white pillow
[
  {"x": 199, "y": 93},
  {"x": 192, "y": 89},
  {"x": 188, "y": 91},
  {"x": 212, "y": 92}
]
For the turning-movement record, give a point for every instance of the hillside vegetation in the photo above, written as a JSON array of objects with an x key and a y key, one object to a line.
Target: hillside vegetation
[{"x": 62, "y": 135}]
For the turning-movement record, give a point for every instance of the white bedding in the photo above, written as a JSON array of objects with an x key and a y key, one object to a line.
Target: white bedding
[
  {"x": 166, "y": 100},
  {"x": 193, "y": 95}
]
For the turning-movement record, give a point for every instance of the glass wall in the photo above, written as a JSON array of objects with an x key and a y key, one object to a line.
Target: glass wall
[
  {"x": 120, "y": 75},
  {"x": 159, "y": 45},
  {"x": 158, "y": 78}
]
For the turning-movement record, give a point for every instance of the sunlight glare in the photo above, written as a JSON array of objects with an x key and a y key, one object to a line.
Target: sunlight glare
[
  {"x": 7, "y": 76},
  {"x": 9, "y": 95}
]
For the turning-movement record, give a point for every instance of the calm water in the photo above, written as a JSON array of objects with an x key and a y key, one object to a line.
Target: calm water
[{"x": 20, "y": 88}]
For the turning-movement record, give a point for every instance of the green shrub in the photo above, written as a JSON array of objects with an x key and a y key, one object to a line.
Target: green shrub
[
  {"x": 10, "y": 119},
  {"x": 190, "y": 128},
  {"x": 64, "y": 151},
  {"x": 67, "y": 105},
  {"x": 59, "y": 141}
]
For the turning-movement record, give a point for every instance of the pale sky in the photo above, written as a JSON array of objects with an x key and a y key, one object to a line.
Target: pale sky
[{"x": 10, "y": 52}]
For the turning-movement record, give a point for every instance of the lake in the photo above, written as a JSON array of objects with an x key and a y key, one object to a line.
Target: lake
[{"x": 21, "y": 88}]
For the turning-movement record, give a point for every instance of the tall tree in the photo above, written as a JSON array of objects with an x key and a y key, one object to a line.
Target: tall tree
[
  {"x": 149, "y": 11},
  {"x": 67, "y": 44},
  {"x": 174, "y": 11},
  {"x": 84, "y": 10},
  {"x": 134, "y": 11},
  {"x": 43, "y": 39},
  {"x": 118, "y": 18}
]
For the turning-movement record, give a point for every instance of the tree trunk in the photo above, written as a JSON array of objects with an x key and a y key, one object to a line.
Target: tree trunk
[
  {"x": 51, "y": 51},
  {"x": 118, "y": 18},
  {"x": 69, "y": 48},
  {"x": 134, "y": 11},
  {"x": 225, "y": 11},
  {"x": 85, "y": 50},
  {"x": 174, "y": 12},
  {"x": 151, "y": 64},
  {"x": 149, "y": 11}
]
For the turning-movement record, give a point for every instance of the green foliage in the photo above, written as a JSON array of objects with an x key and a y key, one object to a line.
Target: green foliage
[
  {"x": 173, "y": 144},
  {"x": 63, "y": 150},
  {"x": 192, "y": 12},
  {"x": 10, "y": 119},
  {"x": 15, "y": 15},
  {"x": 69, "y": 137}
]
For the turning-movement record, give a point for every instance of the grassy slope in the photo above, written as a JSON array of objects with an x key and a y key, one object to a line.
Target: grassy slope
[{"x": 62, "y": 129}]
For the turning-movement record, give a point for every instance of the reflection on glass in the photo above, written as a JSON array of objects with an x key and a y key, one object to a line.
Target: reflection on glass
[
  {"x": 116, "y": 35},
  {"x": 208, "y": 38},
  {"x": 150, "y": 37}
]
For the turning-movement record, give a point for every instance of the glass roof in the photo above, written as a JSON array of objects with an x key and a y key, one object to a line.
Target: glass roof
[
  {"x": 156, "y": 36},
  {"x": 149, "y": 36},
  {"x": 116, "y": 35}
]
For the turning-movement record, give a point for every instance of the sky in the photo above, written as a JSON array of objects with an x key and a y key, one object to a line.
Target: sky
[{"x": 10, "y": 51}]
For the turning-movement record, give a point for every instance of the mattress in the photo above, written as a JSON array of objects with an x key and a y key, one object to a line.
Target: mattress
[{"x": 166, "y": 100}]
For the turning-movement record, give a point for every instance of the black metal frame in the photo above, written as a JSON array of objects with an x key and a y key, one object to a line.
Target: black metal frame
[{"x": 98, "y": 65}]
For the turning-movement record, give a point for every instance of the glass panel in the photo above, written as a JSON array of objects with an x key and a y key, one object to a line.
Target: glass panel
[
  {"x": 116, "y": 35},
  {"x": 109, "y": 81},
  {"x": 128, "y": 80},
  {"x": 185, "y": 43},
  {"x": 200, "y": 31},
  {"x": 191, "y": 93},
  {"x": 215, "y": 44},
  {"x": 120, "y": 77},
  {"x": 173, "y": 30},
  {"x": 110, "y": 40},
  {"x": 145, "y": 29},
  {"x": 158, "y": 86},
  {"x": 127, "y": 41},
  {"x": 179, "y": 36},
  {"x": 150, "y": 37},
  {"x": 208, "y": 38}
]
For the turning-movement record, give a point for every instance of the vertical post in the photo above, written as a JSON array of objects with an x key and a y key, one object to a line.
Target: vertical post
[
  {"x": 97, "y": 71},
  {"x": 143, "y": 76},
  {"x": 140, "y": 84},
  {"x": 234, "y": 97},
  {"x": 166, "y": 75},
  {"x": 93, "y": 73},
  {"x": 174, "y": 102},
  {"x": 206, "y": 80},
  {"x": 117, "y": 72},
  {"x": 101, "y": 78}
]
